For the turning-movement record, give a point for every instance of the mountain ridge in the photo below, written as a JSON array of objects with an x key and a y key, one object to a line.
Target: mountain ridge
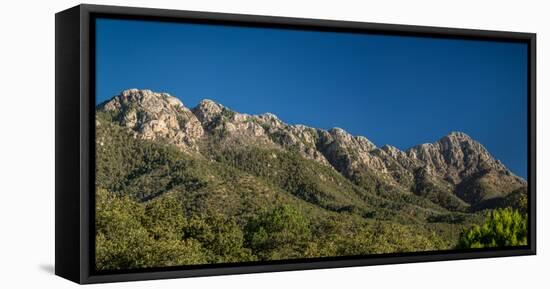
[{"x": 455, "y": 167}]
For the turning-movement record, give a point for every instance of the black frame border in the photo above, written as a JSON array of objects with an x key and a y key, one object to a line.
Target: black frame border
[{"x": 70, "y": 241}]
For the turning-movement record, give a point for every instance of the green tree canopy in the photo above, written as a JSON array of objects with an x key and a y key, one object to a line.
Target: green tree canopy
[
  {"x": 279, "y": 233},
  {"x": 502, "y": 228},
  {"x": 131, "y": 236}
]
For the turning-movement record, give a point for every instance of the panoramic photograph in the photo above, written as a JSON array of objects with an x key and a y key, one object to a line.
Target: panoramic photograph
[{"x": 228, "y": 144}]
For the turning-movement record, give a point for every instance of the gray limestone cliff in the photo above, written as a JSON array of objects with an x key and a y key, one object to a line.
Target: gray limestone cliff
[{"x": 455, "y": 171}]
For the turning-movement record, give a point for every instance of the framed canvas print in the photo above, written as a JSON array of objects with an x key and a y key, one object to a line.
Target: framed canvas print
[{"x": 193, "y": 144}]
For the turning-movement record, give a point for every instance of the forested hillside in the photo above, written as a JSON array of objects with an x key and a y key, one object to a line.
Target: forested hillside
[{"x": 179, "y": 186}]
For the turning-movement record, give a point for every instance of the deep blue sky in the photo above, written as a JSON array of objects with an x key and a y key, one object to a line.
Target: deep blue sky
[{"x": 393, "y": 90}]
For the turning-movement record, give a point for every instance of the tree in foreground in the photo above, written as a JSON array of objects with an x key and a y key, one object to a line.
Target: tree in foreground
[
  {"x": 280, "y": 233},
  {"x": 502, "y": 228}
]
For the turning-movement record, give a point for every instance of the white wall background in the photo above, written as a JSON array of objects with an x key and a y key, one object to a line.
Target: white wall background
[{"x": 27, "y": 144}]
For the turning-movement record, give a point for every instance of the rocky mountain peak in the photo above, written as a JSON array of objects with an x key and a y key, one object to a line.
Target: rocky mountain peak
[
  {"x": 340, "y": 135},
  {"x": 131, "y": 102},
  {"x": 144, "y": 99},
  {"x": 455, "y": 156},
  {"x": 455, "y": 164},
  {"x": 338, "y": 132},
  {"x": 153, "y": 116},
  {"x": 392, "y": 151},
  {"x": 458, "y": 135},
  {"x": 270, "y": 120},
  {"x": 269, "y": 115},
  {"x": 208, "y": 110},
  {"x": 343, "y": 138}
]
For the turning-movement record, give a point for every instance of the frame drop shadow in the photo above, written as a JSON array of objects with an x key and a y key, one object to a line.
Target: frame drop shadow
[{"x": 47, "y": 268}]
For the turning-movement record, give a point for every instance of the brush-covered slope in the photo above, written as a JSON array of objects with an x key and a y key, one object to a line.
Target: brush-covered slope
[
  {"x": 455, "y": 172},
  {"x": 179, "y": 185}
]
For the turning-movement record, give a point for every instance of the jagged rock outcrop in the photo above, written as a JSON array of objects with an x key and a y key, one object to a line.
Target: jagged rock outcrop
[
  {"x": 221, "y": 121},
  {"x": 156, "y": 116},
  {"x": 267, "y": 129},
  {"x": 454, "y": 157},
  {"x": 454, "y": 171},
  {"x": 345, "y": 152},
  {"x": 207, "y": 111},
  {"x": 466, "y": 165},
  {"x": 401, "y": 157}
]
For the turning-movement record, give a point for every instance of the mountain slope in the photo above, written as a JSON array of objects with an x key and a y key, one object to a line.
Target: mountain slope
[
  {"x": 211, "y": 185},
  {"x": 455, "y": 172},
  {"x": 159, "y": 205}
]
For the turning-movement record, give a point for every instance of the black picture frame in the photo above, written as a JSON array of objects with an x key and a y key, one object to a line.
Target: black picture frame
[{"x": 75, "y": 143}]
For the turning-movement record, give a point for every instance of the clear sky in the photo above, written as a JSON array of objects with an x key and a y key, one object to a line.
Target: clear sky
[{"x": 393, "y": 90}]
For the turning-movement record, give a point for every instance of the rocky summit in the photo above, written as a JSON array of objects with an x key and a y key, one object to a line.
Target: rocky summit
[
  {"x": 455, "y": 172},
  {"x": 155, "y": 116}
]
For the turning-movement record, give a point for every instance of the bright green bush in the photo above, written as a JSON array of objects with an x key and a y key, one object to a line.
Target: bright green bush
[{"x": 502, "y": 228}]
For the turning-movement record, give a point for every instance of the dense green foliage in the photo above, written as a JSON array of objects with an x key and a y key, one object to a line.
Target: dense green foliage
[
  {"x": 157, "y": 206},
  {"x": 131, "y": 236},
  {"x": 277, "y": 234},
  {"x": 502, "y": 228}
]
